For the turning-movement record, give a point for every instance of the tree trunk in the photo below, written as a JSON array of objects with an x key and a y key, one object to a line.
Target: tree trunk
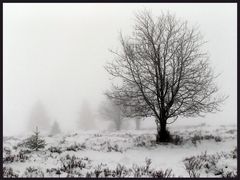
[{"x": 163, "y": 135}]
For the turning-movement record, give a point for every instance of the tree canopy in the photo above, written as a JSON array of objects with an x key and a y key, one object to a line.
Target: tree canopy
[{"x": 164, "y": 71}]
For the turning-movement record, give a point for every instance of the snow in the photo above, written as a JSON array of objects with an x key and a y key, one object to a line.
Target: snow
[{"x": 128, "y": 147}]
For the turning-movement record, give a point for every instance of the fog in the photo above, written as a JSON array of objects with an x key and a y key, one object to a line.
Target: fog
[{"x": 55, "y": 53}]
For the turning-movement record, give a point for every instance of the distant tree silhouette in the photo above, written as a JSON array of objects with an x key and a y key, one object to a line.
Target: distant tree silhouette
[
  {"x": 55, "y": 128},
  {"x": 86, "y": 117},
  {"x": 112, "y": 112},
  {"x": 39, "y": 117}
]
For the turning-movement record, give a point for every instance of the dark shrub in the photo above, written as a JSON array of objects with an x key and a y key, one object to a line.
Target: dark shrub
[
  {"x": 162, "y": 174},
  {"x": 98, "y": 170},
  {"x": 177, "y": 140},
  {"x": 33, "y": 172},
  {"x": 218, "y": 139},
  {"x": 144, "y": 140},
  {"x": 120, "y": 170},
  {"x": 54, "y": 149},
  {"x": 111, "y": 148},
  {"x": 208, "y": 163},
  {"x": 9, "y": 173},
  {"x": 230, "y": 174},
  {"x": 22, "y": 155},
  {"x": 196, "y": 138},
  {"x": 107, "y": 172},
  {"x": 209, "y": 137},
  {"x": 75, "y": 147},
  {"x": 234, "y": 153},
  {"x": 193, "y": 166},
  {"x": 70, "y": 162},
  {"x": 9, "y": 158},
  {"x": 25, "y": 151},
  {"x": 51, "y": 170}
]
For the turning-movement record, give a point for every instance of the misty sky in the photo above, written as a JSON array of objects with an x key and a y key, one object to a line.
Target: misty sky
[{"x": 55, "y": 53}]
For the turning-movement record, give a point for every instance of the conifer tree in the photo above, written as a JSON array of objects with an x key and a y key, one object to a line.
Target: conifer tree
[{"x": 35, "y": 142}]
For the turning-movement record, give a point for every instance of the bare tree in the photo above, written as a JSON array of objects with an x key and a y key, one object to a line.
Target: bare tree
[
  {"x": 164, "y": 72},
  {"x": 39, "y": 117},
  {"x": 110, "y": 111}
]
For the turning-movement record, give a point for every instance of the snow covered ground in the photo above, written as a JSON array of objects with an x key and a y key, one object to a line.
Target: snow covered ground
[{"x": 205, "y": 151}]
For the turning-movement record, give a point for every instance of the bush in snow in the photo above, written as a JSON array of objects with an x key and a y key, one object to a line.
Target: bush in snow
[
  {"x": 234, "y": 153},
  {"x": 35, "y": 142},
  {"x": 196, "y": 138},
  {"x": 143, "y": 140},
  {"x": 138, "y": 171},
  {"x": 54, "y": 149},
  {"x": 162, "y": 174},
  {"x": 196, "y": 165},
  {"x": 177, "y": 140},
  {"x": 114, "y": 147},
  {"x": 107, "y": 172},
  {"x": 9, "y": 173},
  {"x": 98, "y": 170},
  {"x": 63, "y": 140},
  {"x": 9, "y": 157},
  {"x": 121, "y": 171},
  {"x": 15, "y": 147},
  {"x": 228, "y": 174},
  {"x": 53, "y": 172},
  {"x": 75, "y": 147},
  {"x": 209, "y": 137},
  {"x": 102, "y": 171},
  {"x": 76, "y": 172},
  {"x": 22, "y": 155},
  {"x": 33, "y": 172},
  {"x": 105, "y": 145},
  {"x": 148, "y": 162},
  {"x": 6, "y": 150},
  {"x": 231, "y": 131},
  {"x": 145, "y": 171},
  {"x": 25, "y": 151},
  {"x": 193, "y": 165},
  {"x": 68, "y": 163},
  {"x": 209, "y": 164},
  {"x": 217, "y": 138}
]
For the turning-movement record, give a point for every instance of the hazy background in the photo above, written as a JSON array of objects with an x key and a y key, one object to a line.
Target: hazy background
[{"x": 55, "y": 53}]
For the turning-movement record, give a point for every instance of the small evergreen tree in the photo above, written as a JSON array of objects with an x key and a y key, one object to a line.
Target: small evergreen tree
[{"x": 35, "y": 142}]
